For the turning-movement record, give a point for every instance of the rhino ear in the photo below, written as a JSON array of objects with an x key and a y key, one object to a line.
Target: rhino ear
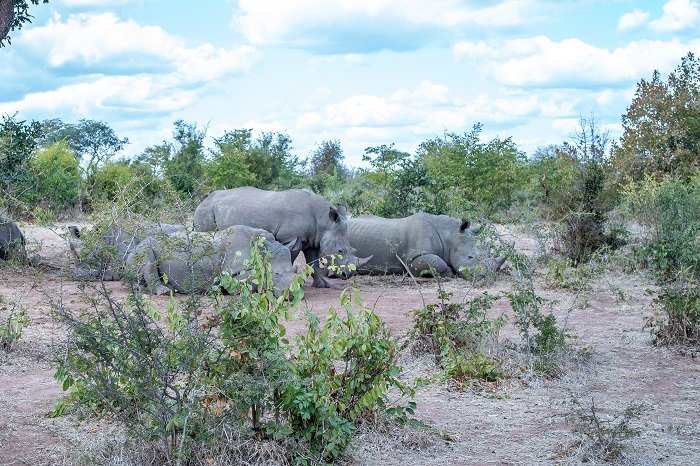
[
  {"x": 294, "y": 247},
  {"x": 342, "y": 210},
  {"x": 465, "y": 224},
  {"x": 333, "y": 214}
]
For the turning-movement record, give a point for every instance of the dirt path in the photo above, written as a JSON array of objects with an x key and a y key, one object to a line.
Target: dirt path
[{"x": 519, "y": 422}]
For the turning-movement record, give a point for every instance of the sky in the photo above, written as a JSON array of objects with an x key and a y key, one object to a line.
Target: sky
[{"x": 361, "y": 72}]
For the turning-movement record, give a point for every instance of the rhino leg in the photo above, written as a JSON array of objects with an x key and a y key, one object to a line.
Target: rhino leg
[
  {"x": 428, "y": 262},
  {"x": 312, "y": 257},
  {"x": 149, "y": 268}
]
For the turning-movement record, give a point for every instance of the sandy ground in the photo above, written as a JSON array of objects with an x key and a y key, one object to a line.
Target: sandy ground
[{"x": 520, "y": 421}]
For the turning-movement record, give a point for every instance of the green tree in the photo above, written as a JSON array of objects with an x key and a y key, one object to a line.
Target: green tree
[
  {"x": 326, "y": 167},
  {"x": 13, "y": 15},
  {"x": 470, "y": 174},
  {"x": 17, "y": 143},
  {"x": 185, "y": 166},
  {"x": 57, "y": 177},
  {"x": 93, "y": 142},
  {"x": 227, "y": 167},
  {"x": 661, "y": 129}
]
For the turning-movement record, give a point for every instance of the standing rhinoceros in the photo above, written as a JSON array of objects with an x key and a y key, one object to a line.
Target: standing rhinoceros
[
  {"x": 191, "y": 262},
  {"x": 109, "y": 251},
  {"x": 12, "y": 244},
  {"x": 287, "y": 215},
  {"x": 422, "y": 241}
]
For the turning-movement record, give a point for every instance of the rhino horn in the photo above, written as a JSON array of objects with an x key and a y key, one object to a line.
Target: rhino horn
[
  {"x": 361, "y": 262},
  {"x": 498, "y": 262}
]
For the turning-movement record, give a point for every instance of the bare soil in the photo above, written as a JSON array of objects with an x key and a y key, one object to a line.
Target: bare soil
[{"x": 517, "y": 422}]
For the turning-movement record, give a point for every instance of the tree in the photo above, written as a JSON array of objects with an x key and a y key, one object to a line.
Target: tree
[
  {"x": 17, "y": 143},
  {"x": 661, "y": 129},
  {"x": 93, "y": 142},
  {"x": 13, "y": 15},
  {"x": 57, "y": 177},
  {"x": 185, "y": 167},
  {"x": 227, "y": 167},
  {"x": 470, "y": 174},
  {"x": 326, "y": 166},
  {"x": 268, "y": 160}
]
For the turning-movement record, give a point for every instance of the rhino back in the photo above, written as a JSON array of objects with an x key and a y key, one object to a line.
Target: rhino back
[
  {"x": 11, "y": 238},
  {"x": 286, "y": 214}
]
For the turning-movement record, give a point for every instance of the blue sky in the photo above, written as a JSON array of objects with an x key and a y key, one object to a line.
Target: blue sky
[{"x": 363, "y": 72}]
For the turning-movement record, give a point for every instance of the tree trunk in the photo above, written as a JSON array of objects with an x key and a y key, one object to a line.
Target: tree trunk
[{"x": 7, "y": 15}]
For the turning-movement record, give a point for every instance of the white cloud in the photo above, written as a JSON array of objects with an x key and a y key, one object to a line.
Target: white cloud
[
  {"x": 677, "y": 15},
  {"x": 632, "y": 20},
  {"x": 98, "y": 3},
  {"x": 539, "y": 61},
  {"x": 386, "y": 23},
  {"x": 102, "y": 40}
]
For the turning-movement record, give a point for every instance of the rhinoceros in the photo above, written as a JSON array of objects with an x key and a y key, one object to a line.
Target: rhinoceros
[
  {"x": 12, "y": 243},
  {"x": 423, "y": 242},
  {"x": 109, "y": 252},
  {"x": 194, "y": 261},
  {"x": 287, "y": 215}
]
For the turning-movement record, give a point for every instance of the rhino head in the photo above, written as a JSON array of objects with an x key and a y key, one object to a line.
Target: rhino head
[
  {"x": 340, "y": 259},
  {"x": 465, "y": 256}
]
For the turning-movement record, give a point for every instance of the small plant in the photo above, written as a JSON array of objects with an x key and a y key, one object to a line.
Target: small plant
[
  {"x": 12, "y": 327},
  {"x": 463, "y": 339},
  {"x": 603, "y": 435},
  {"x": 679, "y": 322}
]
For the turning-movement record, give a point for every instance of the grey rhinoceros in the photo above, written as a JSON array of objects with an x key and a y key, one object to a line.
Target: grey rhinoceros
[
  {"x": 109, "y": 251},
  {"x": 287, "y": 215},
  {"x": 12, "y": 243},
  {"x": 422, "y": 241},
  {"x": 191, "y": 262}
]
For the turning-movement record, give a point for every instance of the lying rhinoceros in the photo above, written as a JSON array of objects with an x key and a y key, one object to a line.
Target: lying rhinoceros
[
  {"x": 287, "y": 215},
  {"x": 109, "y": 251},
  {"x": 422, "y": 241},
  {"x": 191, "y": 262},
  {"x": 12, "y": 244}
]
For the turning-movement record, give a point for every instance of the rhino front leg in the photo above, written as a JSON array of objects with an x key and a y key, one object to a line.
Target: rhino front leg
[
  {"x": 429, "y": 262},
  {"x": 148, "y": 269},
  {"x": 312, "y": 257}
]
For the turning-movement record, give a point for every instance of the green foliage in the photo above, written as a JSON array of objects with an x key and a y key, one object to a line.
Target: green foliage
[
  {"x": 227, "y": 167},
  {"x": 11, "y": 327},
  {"x": 184, "y": 165},
  {"x": 57, "y": 174},
  {"x": 661, "y": 129},
  {"x": 463, "y": 339},
  {"x": 543, "y": 338},
  {"x": 214, "y": 366},
  {"x": 603, "y": 436},
  {"x": 113, "y": 180},
  {"x": 265, "y": 162},
  {"x": 466, "y": 171},
  {"x": 16, "y": 16},
  {"x": 93, "y": 142},
  {"x": 17, "y": 143},
  {"x": 325, "y": 166},
  {"x": 671, "y": 210},
  {"x": 345, "y": 369},
  {"x": 679, "y": 320}
]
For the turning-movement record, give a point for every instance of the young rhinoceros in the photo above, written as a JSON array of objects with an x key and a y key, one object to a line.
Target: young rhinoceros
[
  {"x": 194, "y": 261},
  {"x": 422, "y": 241},
  {"x": 109, "y": 250}
]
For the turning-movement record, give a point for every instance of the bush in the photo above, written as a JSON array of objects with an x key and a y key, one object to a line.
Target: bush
[
  {"x": 57, "y": 175},
  {"x": 461, "y": 337},
  {"x": 680, "y": 314},
  {"x": 12, "y": 327},
  {"x": 214, "y": 367}
]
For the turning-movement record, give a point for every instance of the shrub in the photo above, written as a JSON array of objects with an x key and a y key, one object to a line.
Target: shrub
[
  {"x": 461, "y": 337},
  {"x": 57, "y": 176},
  {"x": 12, "y": 327},
  {"x": 603, "y": 435},
  {"x": 215, "y": 367},
  {"x": 679, "y": 322}
]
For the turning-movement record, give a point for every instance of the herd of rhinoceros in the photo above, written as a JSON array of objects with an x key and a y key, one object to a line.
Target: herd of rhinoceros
[{"x": 182, "y": 259}]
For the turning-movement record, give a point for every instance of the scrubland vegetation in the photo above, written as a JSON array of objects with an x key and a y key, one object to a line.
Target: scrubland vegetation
[{"x": 214, "y": 374}]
